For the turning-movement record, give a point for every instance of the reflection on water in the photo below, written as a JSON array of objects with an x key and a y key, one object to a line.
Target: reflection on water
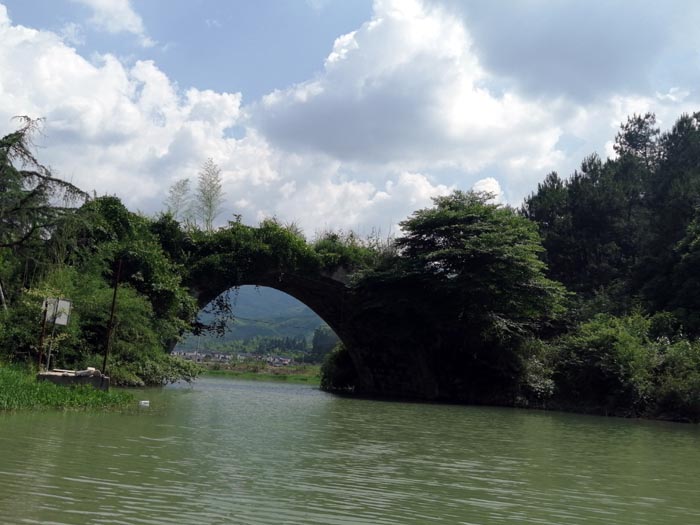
[{"x": 259, "y": 453}]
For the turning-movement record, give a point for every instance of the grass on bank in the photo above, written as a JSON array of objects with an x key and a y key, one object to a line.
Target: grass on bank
[
  {"x": 304, "y": 374},
  {"x": 19, "y": 390}
]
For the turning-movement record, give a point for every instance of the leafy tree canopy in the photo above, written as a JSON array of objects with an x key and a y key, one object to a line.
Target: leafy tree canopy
[{"x": 484, "y": 258}]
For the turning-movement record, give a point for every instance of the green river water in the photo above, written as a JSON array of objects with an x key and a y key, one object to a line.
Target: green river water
[{"x": 227, "y": 451}]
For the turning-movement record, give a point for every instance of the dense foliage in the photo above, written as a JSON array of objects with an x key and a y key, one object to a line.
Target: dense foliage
[
  {"x": 632, "y": 366},
  {"x": 53, "y": 250},
  {"x": 57, "y": 242},
  {"x": 623, "y": 233},
  {"x": 463, "y": 292},
  {"x": 587, "y": 298},
  {"x": 472, "y": 288}
]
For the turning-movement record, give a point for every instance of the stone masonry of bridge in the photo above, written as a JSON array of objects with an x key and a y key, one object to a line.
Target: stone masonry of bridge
[{"x": 383, "y": 364}]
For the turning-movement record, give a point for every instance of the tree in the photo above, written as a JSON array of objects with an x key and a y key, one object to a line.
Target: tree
[
  {"x": 323, "y": 341},
  {"x": 456, "y": 304},
  {"x": 639, "y": 138},
  {"x": 672, "y": 198},
  {"x": 27, "y": 192},
  {"x": 594, "y": 224},
  {"x": 549, "y": 208},
  {"x": 32, "y": 201},
  {"x": 482, "y": 261},
  {"x": 153, "y": 309},
  {"x": 674, "y": 191},
  {"x": 209, "y": 195},
  {"x": 607, "y": 364},
  {"x": 178, "y": 201},
  {"x": 683, "y": 282}
]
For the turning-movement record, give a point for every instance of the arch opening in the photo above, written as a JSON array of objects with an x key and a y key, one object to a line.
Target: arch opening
[{"x": 258, "y": 326}]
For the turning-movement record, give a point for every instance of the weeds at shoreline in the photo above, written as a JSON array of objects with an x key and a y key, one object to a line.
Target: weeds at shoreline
[{"x": 19, "y": 390}]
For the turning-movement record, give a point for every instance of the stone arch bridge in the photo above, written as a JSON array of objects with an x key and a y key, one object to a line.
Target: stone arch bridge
[{"x": 272, "y": 256}]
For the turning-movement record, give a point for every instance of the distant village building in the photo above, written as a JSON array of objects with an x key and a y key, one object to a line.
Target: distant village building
[
  {"x": 209, "y": 357},
  {"x": 278, "y": 361},
  {"x": 202, "y": 357}
]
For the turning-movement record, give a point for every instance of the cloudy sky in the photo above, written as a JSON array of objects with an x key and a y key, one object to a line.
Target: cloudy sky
[{"x": 337, "y": 113}]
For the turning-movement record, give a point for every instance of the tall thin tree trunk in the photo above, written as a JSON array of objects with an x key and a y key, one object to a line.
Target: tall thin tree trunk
[{"x": 2, "y": 297}]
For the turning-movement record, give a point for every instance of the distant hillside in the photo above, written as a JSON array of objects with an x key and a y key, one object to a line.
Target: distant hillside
[{"x": 265, "y": 312}]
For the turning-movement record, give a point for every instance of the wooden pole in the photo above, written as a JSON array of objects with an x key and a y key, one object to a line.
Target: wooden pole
[
  {"x": 43, "y": 332},
  {"x": 53, "y": 333},
  {"x": 110, "y": 327}
]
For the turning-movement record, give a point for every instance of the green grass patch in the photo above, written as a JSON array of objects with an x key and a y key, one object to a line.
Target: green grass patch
[
  {"x": 303, "y": 374},
  {"x": 19, "y": 390}
]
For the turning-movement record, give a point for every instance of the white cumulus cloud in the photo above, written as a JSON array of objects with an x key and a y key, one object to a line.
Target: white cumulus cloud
[
  {"x": 117, "y": 16},
  {"x": 131, "y": 131},
  {"x": 406, "y": 89},
  {"x": 109, "y": 127},
  {"x": 332, "y": 202},
  {"x": 403, "y": 109},
  {"x": 491, "y": 186}
]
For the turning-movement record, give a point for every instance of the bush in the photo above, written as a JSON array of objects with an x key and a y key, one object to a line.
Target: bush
[
  {"x": 632, "y": 366},
  {"x": 338, "y": 372},
  {"x": 678, "y": 382},
  {"x": 607, "y": 364},
  {"x": 147, "y": 369},
  {"x": 536, "y": 382},
  {"x": 345, "y": 249}
]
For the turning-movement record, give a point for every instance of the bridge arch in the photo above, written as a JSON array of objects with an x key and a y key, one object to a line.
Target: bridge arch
[
  {"x": 376, "y": 338},
  {"x": 325, "y": 296}
]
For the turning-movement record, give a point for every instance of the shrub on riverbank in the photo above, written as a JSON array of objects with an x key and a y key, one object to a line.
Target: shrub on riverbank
[
  {"x": 338, "y": 373},
  {"x": 625, "y": 366},
  {"x": 19, "y": 390},
  {"x": 147, "y": 369}
]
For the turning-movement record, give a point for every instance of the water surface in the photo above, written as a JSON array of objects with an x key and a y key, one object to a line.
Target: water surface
[{"x": 227, "y": 451}]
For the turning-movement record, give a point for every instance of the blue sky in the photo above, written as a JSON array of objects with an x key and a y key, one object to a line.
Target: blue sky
[
  {"x": 224, "y": 46},
  {"x": 336, "y": 113}
]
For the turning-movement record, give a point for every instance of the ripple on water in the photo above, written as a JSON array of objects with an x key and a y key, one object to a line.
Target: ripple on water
[{"x": 262, "y": 454}]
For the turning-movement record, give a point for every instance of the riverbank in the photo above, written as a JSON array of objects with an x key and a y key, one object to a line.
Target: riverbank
[
  {"x": 304, "y": 374},
  {"x": 19, "y": 390}
]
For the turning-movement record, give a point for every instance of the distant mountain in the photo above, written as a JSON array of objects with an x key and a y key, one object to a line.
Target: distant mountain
[{"x": 261, "y": 311}]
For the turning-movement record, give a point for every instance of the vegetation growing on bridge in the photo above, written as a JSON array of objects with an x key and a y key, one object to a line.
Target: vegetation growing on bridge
[
  {"x": 77, "y": 252},
  {"x": 585, "y": 299}
]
